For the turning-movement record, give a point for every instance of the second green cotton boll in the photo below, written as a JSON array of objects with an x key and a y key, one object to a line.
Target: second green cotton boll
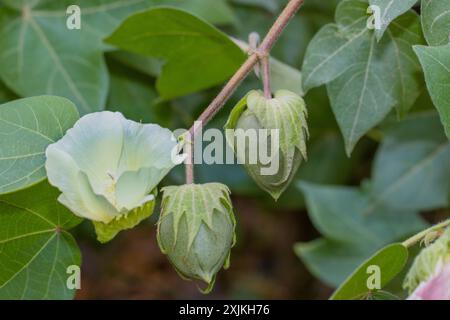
[
  {"x": 196, "y": 229},
  {"x": 281, "y": 130}
]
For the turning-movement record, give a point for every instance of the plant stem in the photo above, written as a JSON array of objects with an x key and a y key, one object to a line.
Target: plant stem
[
  {"x": 265, "y": 62},
  {"x": 224, "y": 95},
  {"x": 418, "y": 237}
]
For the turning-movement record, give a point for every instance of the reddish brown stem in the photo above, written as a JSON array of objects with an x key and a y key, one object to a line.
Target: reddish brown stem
[{"x": 225, "y": 94}]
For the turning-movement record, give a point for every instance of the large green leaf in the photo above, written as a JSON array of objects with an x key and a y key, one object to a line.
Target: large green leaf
[
  {"x": 412, "y": 166},
  {"x": 70, "y": 61},
  {"x": 436, "y": 21},
  {"x": 336, "y": 47},
  {"x": 390, "y": 260},
  {"x": 197, "y": 55},
  {"x": 389, "y": 10},
  {"x": 436, "y": 66},
  {"x": 351, "y": 234},
  {"x": 27, "y": 127},
  {"x": 133, "y": 95},
  {"x": 359, "y": 70},
  {"x": 216, "y": 12},
  {"x": 98, "y": 17},
  {"x": 35, "y": 248},
  {"x": 331, "y": 261}
]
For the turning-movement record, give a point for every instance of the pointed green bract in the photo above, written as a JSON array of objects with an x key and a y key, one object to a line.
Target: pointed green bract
[
  {"x": 281, "y": 120},
  {"x": 285, "y": 112},
  {"x": 196, "y": 229},
  {"x": 107, "y": 231}
]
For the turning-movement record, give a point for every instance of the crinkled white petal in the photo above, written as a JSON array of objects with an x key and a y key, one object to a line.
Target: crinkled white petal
[
  {"x": 146, "y": 146},
  {"x": 77, "y": 193},
  {"x": 95, "y": 144},
  {"x": 107, "y": 165},
  {"x": 133, "y": 187}
]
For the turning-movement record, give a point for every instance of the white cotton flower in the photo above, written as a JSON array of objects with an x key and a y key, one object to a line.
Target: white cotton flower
[{"x": 107, "y": 166}]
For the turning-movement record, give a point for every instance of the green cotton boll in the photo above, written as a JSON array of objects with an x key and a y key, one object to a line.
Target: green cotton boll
[
  {"x": 286, "y": 113},
  {"x": 287, "y": 166},
  {"x": 108, "y": 168},
  {"x": 196, "y": 230}
]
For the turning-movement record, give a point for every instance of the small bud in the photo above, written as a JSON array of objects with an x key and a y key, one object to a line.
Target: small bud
[
  {"x": 196, "y": 229},
  {"x": 284, "y": 115}
]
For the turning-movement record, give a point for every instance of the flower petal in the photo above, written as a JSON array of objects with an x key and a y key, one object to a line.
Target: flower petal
[
  {"x": 133, "y": 187},
  {"x": 95, "y": 145},
  {"x": 77, "y": 193},
  {"x": 146, "y": 146}
]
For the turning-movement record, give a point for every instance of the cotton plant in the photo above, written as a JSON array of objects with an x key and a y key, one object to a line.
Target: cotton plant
[
  {"x": 57, "y": 169},
  {"x": 108, "y": 168}
]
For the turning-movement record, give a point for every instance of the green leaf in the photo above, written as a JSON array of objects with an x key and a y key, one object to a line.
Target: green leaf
[
  {"x": 407, "y": 80},
  {"x": 389, "y": 11},
  {"x": 70, "y": 64},
  {"x": 351, "y": 233},
  {"x": 336, "y": 47},
  {"x": 285, "y": 77},
  {"x": 436, "y": 66},
  {"x": 412, "y": 167},
  {"x": 206, "y": 57},
  {"x": 35, "y": 248},
  {"x": 27, "y": 127},
  {"x": 147, "y": 65},
  {"x": 366, "y": 93},
  {"x": 390, "y": 261},
  {"x": 331, "y": 261},
  {"x": 98, "y": 17},
  {"x": 435, "y": 21},
  {"x": 358, "y": 69},
  {"x": 269, "y": 5},
  {"x": 133, "y": 96},
  {"x": 216, "y": 12}
]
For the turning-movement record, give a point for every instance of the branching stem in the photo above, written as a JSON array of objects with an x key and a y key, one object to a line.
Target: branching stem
[{"x": 224, "y": 95}]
